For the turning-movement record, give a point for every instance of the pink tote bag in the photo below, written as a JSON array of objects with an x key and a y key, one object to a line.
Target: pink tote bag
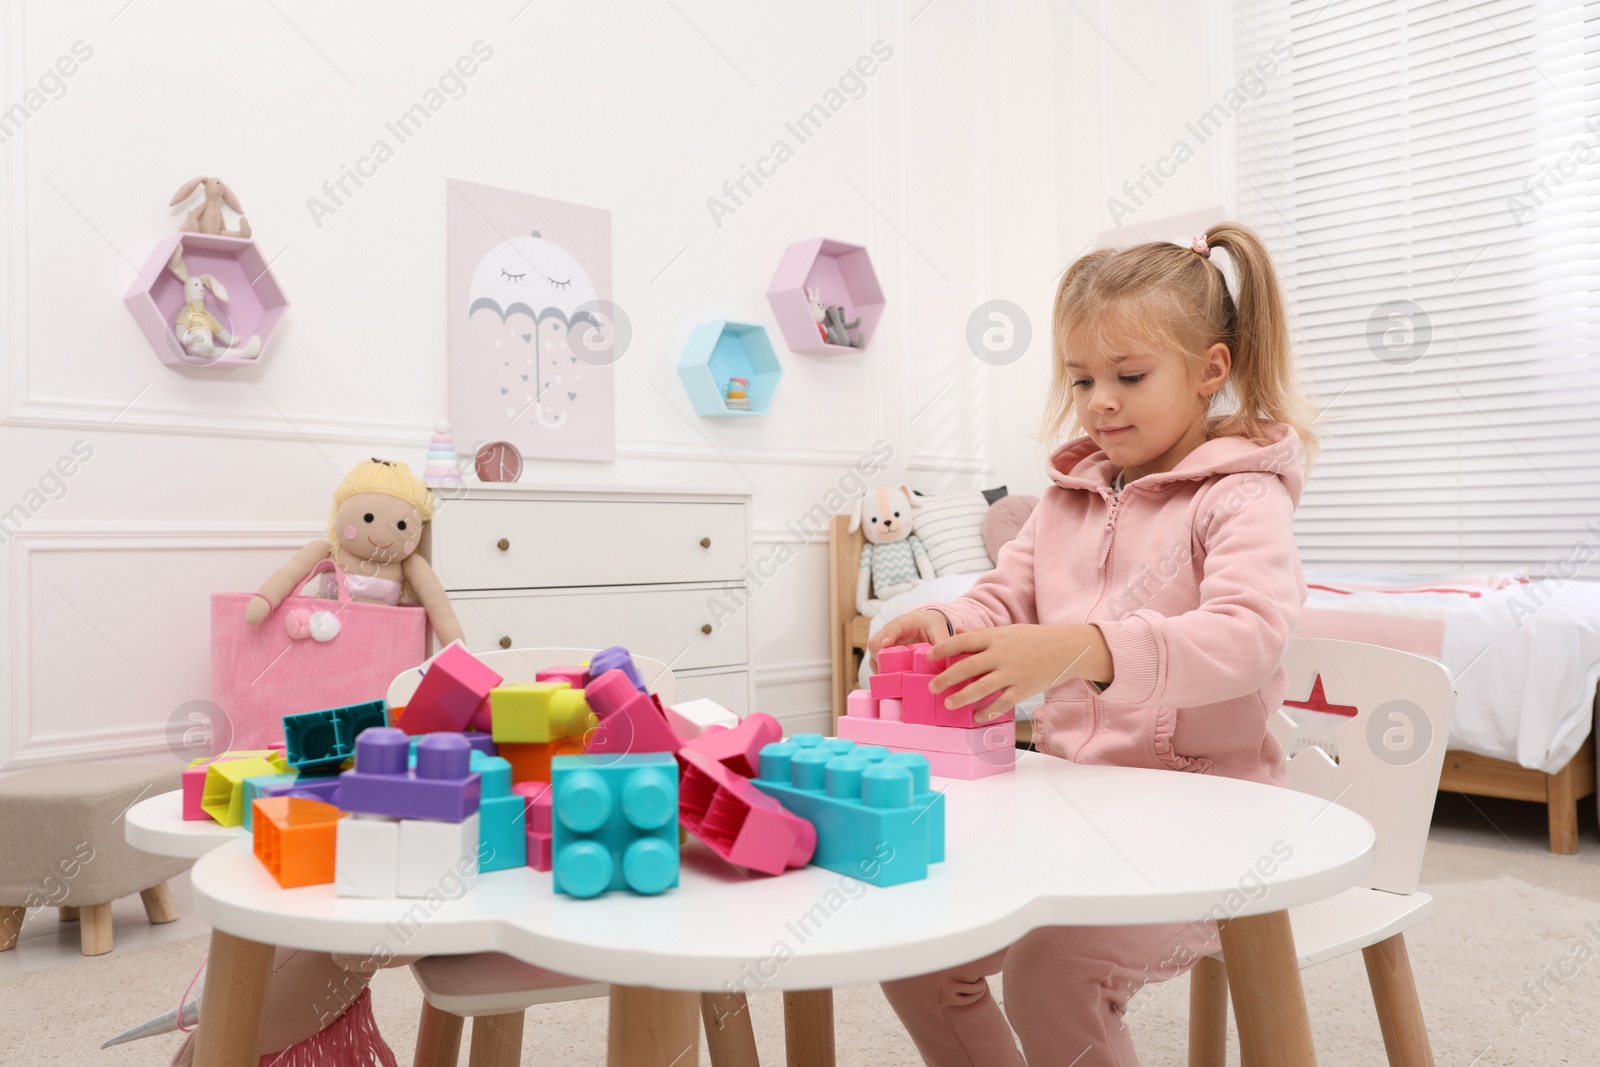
[{"x": 259, "y": 673}]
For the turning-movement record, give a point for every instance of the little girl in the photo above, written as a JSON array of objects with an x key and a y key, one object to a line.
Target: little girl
[{"x": 1150, "y": 597}]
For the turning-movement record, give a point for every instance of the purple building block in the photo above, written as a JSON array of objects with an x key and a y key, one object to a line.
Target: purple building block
[
  {"x": 324, "y": 789},
  {"x": 481, "y": 741},
  {"x": 441, "y": 788},
  {"x": 616, "y": 658}
]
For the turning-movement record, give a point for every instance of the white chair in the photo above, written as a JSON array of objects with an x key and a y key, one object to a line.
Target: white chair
[
  {"x": 493, "y": 989},
  {"x": 1396, "y": 709}
]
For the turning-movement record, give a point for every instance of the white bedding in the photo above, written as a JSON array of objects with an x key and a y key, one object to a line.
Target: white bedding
[{"x": 1525, "y": 679}]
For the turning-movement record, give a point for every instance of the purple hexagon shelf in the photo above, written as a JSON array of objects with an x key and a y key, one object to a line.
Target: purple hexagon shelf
[
  {"x": 843, "y": 272},
  {"x": 255, "y": 303}
]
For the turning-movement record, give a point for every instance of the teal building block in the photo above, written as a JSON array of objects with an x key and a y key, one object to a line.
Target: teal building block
[
  {"x": 318, "y": 741},
  {"x": 615, "y": 823},
  {"x": 502, "y": 816},
  {"x": 257, "y": 787},
  {"x": 876, "y": 817}
]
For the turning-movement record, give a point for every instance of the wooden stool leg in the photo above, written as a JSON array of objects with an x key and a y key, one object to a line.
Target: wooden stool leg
[
  {"x": 438, "y": 1038},
  {"x": 1394, "y": 993},
  {"x": 1269, "y": 1004},
  {"x": 652, "y": 1028},
  {"x": 10, "y": 925},
  {"x": 729, "y": 1035},
  {"x": 1208, "y": 1014},
  {"x": 235, "y": 999},
  {"x": 158, "y": 905},
  {"x": 496, "y": 1040},
  {"x": 94, "y": 929},
  {"x": 808, "y": 1027},
  {"x": 68, "y": 914}
]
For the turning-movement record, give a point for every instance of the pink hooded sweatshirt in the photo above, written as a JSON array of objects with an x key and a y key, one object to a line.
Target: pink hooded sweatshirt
[{"x": 1193, "y": 577}]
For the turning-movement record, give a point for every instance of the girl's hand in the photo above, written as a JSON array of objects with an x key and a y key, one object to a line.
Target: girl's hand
[
  {"x": 1017, "y": 662},
  {"x": 923, "y": 624}
]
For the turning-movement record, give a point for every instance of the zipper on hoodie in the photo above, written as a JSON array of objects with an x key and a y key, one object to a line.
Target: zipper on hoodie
[{"x": 1105, "y": 585}]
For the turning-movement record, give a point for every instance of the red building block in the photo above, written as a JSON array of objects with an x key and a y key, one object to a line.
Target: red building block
[
  {"x": 630, "y": 721},
  {"x": 739, "y": 749},
  {"x": 452, "y": 689}
]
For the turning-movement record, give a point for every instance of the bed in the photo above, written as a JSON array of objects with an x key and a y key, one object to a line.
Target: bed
[{"x": 1525, "y": 656}]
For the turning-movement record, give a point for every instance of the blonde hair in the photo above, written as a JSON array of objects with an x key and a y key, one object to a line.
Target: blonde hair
[
  {"x": 389, "y": 477},
  {"x": 1168, "y": 297}
]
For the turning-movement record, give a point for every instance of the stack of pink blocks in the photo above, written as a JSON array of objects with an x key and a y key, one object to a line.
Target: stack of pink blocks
[{"x": 899, "y": 713}]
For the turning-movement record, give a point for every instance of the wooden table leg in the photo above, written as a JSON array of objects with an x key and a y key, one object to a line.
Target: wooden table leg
[
  {"x": 496, "y": 1040},
  {"x": 234, "y": 1003},
  {"x": 1208, "y": 1014},
  {"x": 438, "y": 1038},
  {"x": 808, "y": 1027},
  {"x": 1269, "y": 1004},
  {"x": 652, "y": 1028},
  {"x": 730, "y": 1038}
]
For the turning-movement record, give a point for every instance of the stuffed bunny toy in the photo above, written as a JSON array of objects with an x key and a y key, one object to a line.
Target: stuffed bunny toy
[
  {"x": 893, "y": 559},
  {"x": 207, "y": 216},
  {"x": 196, "y": 329}
]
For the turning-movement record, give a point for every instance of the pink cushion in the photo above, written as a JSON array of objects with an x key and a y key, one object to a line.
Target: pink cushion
[{"x": 1004, "y": 520}]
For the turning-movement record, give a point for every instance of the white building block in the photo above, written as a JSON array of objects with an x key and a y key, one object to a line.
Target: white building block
[
  {"x": 368, "y": 858},
  {"x": 437, "y": 857},
  {"x": 691, "y": 717}
]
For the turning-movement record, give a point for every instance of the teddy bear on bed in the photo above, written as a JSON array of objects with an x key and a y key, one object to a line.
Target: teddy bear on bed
[{"x": 893, "y": 560}]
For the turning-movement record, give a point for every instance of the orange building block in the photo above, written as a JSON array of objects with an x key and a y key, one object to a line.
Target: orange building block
[
  {"x": 530, "y": 761},
  {"x": 296, "y": 839}
]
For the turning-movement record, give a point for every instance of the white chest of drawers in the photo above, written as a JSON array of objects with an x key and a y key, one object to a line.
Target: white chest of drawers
[{"x": 663, "y": 573}]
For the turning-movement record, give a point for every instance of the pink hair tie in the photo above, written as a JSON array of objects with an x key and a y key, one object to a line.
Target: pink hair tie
[{"x": 1199, "y": 246}]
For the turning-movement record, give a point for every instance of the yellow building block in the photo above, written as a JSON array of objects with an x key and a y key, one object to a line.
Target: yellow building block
[
  {"x": 538, "y": 712},
  {"x": 223, "y": 798}
]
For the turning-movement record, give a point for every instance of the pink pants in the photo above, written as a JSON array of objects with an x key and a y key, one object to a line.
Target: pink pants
[{"x": 1067, "y": 989}]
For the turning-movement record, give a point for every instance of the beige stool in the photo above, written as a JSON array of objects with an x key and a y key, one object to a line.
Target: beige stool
[{"x": 62, "y": 845}]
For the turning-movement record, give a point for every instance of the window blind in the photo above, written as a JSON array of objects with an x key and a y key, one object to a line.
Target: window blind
[{"x": 1425, "y": 175}]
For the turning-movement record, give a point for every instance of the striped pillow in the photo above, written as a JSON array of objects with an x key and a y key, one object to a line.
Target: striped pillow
[{"x": 951, "y": 529}]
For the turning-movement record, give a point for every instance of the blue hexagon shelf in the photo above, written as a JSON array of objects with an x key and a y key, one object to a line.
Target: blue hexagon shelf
[{"x": 718, "y": 351}]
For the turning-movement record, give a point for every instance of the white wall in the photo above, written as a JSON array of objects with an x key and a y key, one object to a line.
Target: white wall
[{"x": 974, "y": 165}]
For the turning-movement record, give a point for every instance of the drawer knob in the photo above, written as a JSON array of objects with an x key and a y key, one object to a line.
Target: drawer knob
[
  {"x": 705, "y": 542},
  {"x": 505, "y": 642},
  {"x": 706, "y": 628},
  {"x": 502, "y": 544}
]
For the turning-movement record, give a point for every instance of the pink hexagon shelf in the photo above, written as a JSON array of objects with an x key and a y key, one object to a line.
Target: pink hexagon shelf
[
  {"x": 255, "y": 303},
  {"x": 844, "y": 274}
]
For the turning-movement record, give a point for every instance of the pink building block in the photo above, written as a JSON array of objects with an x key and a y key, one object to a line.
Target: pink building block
[
  {"x": 887, "y": 686},
  {"x": 194, "y": 788},
  {"x": 970, "y": 765},
  {"x": 739, "y": 749},
  {"x": 739, "y": 822},
  {"x": 910, "y": 737},
  {"x": 455, "y": 684},
  {"x": 896, "y": 659},
  {"x": 577, "y": 677},
  {"x": 904, "y": 673},
  {"x": 891, "y": 710},
  {"x": 861, "y": 705},
  {"x": 916, "y": 703},
  {"x": 539, "y": 820},
  {"x": 630, "y": 721}
]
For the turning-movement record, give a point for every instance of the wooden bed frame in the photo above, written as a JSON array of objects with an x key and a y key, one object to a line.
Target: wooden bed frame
[{"x": 1464, "y": 772}]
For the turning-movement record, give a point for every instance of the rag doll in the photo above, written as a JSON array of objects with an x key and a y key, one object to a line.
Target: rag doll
[
  {"x": 893, "y": 559},
  {"x": 373, "y": 531}
]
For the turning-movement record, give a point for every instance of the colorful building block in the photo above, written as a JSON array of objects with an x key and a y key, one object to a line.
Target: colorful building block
[
  {"x": 863, "y": 804},
  {"x": 452, "y": 688},
  {"x": 903, "y": 675},
  {"x": 691, "y": 718},
  {"x": 531, "y": 762},
  {"x": 739, "y": 822},
  {"x": 859, "y": 704},
  {"x": 441, "y": 787},
  {"x": 194, "y": 777},
  {"x": 538, "y": 712},
  {"x": 481, "y": 741},
  {"x": 324, "y": 788},
  {"x": 577, "y": 677},
  {"x": 1000, "y": 737},
  {"x": 630, "y": 721},
  {"x": 367, "y": 863},
  {"x": 223, "y": 798},
  {"x": 319, "y": 741},
  {"x": 296, "y": 839},
  {"x": 615, "y": 820},
  {"x": 616, "y": 658},
  {"x": 437, "y": 857},
  {"x": 502, "y": 820},
  {"x": 256, "y": 787},
  {"x": 739, "y": 749},
  {"x": 540, "y": 822}
]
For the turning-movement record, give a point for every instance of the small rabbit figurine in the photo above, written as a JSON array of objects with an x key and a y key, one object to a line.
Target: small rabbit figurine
[
  {"x": 836, "y": 331},
  {"x": 207, "y": 218},
  {"x": 819, "y": 311},
  {"x": 196, "y": 328}
]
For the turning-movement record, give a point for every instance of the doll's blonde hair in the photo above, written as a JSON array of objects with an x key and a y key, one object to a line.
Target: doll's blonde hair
[
  {"x": 389, "y": 477},
  {"x": 1164, "y": 296}
]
